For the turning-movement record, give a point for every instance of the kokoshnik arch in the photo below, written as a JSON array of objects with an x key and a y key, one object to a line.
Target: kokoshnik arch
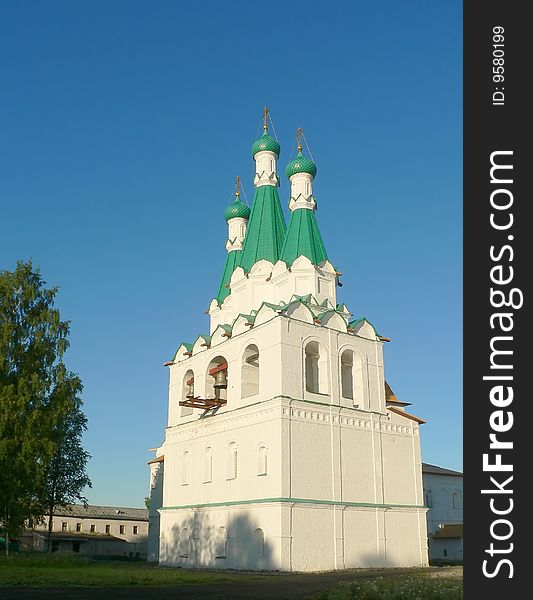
[{"x": 285, "y": 447}]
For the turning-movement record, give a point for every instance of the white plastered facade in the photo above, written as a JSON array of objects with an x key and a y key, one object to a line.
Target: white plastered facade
[{"x": 341, "y": 484}]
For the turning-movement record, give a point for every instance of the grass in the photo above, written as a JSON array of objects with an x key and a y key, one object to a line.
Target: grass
[
  {"x": 69, "y": 571},
  {"x": 420, "y": 587}
]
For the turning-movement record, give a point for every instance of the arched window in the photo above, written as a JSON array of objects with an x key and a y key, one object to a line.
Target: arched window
[
  {"x": 184, "y": 543},
  {"x": 250, "y": 372},
  {"x": 186, "y": 469},
  {"x": 429, "y": 498},
  {"x": 347, "y": 374},
  {"x": 316, "y": 369},
  {"x": 216, "y": 383},
  {"x": 260, "y": 542},
  {"x": 271, "y": 165},
  {"x": 262, "y": 458},
  {"x": 243, "y": 230},
  {"x": 232, "y": 458},
  {"x": 208, "y": 465},
  {"x": 358, "y": 370},
  {"x": 221, "y": 543},
  {"x": 187, "y": 391},
  {"x": 307, "y": 187}
]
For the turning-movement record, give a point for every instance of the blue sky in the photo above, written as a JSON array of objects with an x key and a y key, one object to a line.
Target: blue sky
[{"x": 124, "y": 124}]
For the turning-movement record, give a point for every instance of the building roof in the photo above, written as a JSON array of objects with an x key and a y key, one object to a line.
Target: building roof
[
  {"x": 434, "y": 470},
  {"x": 450, "y": 530},
  {"x": 157, "y": 459},
  {"x": 303, "y": 238},
  {"x": 266, "y": 229},
  {"x": 94, "y": 511},
  {"x": 237, "y": 209}
]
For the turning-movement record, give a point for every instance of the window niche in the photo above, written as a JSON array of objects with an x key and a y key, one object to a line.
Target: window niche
[
  {"x": 187, "y": 392},
  {"x": 316, "y": 369},
  {"x": 232, "y": 461},
  {"x": 250, "y": 372}
]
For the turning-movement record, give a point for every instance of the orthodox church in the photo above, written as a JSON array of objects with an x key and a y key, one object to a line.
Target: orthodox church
[{"x": 285, "y": 448}]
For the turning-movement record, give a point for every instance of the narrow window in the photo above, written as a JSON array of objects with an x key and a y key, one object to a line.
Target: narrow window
[
  {"x": 64, "y": 526},
  {"x": 93, "y": 528},
  {"x": 135, "y": 530},
  {"x": 78, "y": 527},
  {"x": 108, "y": 528},
  {"x": 186, "y": 469},
  {"x": 208, "y": 465},
  {"x": 347, "y": 374},
  {"x": 457, "y": 501},
  {"x": 312, "y": 356},
  {"x": 232, "y": 461},
  {"x": 122, "y": 529},
  {"x": 260, "y": 543},
  {"x": 262, "y": 467},
  {"x": 429, "y": 498},
  {"x": 222, "y": 543},
  {"x": 250, "y": 372}
]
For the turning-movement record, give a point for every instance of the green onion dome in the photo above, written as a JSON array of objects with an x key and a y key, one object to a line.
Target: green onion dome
[
  {"x": 237, "y": 209},
  {"x": 265, "y": 142},
  {"x": 300, "y": 164}
]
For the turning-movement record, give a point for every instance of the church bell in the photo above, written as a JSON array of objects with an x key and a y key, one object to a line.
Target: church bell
[{"x": 221, "y": 380}]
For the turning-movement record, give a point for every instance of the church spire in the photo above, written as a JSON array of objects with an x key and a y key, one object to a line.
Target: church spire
[
  {"x": 266, "y": 228},
  {"x": 236, "y": 215},
  {"x": 303, "y": 236}
]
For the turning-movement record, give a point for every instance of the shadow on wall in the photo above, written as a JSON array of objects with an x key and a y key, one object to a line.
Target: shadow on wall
[{"x": 198, "y": 541}]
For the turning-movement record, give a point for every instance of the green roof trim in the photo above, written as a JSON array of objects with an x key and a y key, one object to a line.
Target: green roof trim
[
  {"x": 265, "y": 142},
  {"x": 353, "y": 323},
  {"x": 300, "y": 164},
  {"x": 266, "y": 229},
  {"x": 187, "y": 346},
  {"x": 303, "y": 238},
  {"x": 232, "y": 262}
]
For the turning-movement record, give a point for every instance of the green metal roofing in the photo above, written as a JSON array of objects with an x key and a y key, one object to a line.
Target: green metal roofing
[
  {"x": 266, "y": 228},
  {"x": 303, "y": 238},
  {"x": 237, "y": 209},
  {"x": 265, "y": 142},
  {"x": 300, "y": 164},
  {"x": 232, "y": 262}
]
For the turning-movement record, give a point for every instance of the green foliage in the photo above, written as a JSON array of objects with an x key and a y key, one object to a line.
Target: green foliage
[
  {"x": 398, "y": 588},
  {"x": 40, "y": 409}
]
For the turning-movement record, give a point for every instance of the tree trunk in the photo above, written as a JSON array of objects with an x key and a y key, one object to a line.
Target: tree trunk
[
  {"x": 7, "y": 543},
  {"x": 50, "y": 527}
]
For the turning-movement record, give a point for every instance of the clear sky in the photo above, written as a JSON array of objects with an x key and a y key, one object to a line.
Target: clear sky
[{"x": 123, "y": 125}]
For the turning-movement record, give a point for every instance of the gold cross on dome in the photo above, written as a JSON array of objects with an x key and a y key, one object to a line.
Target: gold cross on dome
[
  {"x": 237, "y": 186},
  {"x": 299, "y": 133},
  {"x": 266, "y": 110}
]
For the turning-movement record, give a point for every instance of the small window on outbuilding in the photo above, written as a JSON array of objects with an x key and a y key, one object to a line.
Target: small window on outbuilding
[
  {"x": 64, "y": 526},
  {"x": 78, "y": 527},
  {"x": 122, "y": 529},
  {"x": 93, "y": 528},
  {"x": 108, "y": 529},
  {"x": 135, "y": 530}
]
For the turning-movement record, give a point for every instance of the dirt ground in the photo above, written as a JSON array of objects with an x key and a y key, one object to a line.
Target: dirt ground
[{"x": 296, "y": 586}]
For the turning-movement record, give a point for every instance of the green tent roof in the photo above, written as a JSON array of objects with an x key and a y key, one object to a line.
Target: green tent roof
[
  {"x": 303, "y": 238},
  {"x": 266, "y": 228},
  {"x": 232, "y": 262}
]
